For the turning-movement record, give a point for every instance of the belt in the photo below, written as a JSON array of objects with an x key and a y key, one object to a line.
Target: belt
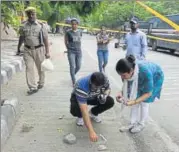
[{"x": 33, "y": 47}]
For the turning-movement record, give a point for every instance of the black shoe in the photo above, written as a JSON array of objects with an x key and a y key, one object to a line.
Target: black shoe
[
  {"x": 19, "y": 53},
  {"x": 40, "y": 86},
  {"x": 30, "y": 92}
]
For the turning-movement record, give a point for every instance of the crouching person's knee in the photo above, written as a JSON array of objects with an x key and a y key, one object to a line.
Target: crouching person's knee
[
  {"x": 110, "y": 102},
  {"x": 73, "y": 111},
  {"x": 74, "y": 108}
]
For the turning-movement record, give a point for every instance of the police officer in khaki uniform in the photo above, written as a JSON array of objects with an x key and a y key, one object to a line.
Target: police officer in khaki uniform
[{"x": 34, "y": 35}]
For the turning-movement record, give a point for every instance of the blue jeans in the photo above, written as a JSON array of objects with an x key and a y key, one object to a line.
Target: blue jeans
[
  {"x": 102, "y": 59},
  {"x": 75, "y": 64}
]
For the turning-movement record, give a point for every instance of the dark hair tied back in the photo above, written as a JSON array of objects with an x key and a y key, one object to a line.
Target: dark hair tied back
[
  {"x": 126, "y": 64},
  {"x": 131, "y": 59}
]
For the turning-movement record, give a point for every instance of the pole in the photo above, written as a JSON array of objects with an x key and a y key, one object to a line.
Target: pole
[
  {"x": 165, "y": 19},
  {"x": 133, "y": 12}
]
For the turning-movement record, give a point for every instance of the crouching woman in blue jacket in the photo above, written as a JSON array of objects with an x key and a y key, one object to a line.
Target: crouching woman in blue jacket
[{"x": 142, "y": 84}]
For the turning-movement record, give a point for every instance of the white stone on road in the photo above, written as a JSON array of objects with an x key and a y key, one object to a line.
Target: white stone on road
[{"x": 69, "y": 139}]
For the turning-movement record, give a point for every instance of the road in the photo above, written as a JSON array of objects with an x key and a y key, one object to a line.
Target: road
[{"x": 38, "y": 127}]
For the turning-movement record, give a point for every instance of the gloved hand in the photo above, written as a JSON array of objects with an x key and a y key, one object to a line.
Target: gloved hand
[{"x": 102, "y": 98}]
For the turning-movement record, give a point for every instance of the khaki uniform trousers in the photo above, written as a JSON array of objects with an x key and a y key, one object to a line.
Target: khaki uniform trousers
[{"x": 32, "y": 56}]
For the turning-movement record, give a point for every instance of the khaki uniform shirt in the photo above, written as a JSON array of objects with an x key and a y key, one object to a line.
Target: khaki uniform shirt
[{"x": 31, "y": 33}]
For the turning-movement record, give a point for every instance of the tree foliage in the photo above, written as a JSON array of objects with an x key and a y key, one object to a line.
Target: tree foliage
[
  {"x": 11, "y": 12},
  {"x": 114, "y": 14},
  {"x": 91, "y": 13}
]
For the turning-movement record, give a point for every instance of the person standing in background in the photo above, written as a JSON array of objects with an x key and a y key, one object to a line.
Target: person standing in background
[
  {"x": 102, "y": 49},
  {"x": 73, "y": 45},
  {"x": 136, "y": 41}
]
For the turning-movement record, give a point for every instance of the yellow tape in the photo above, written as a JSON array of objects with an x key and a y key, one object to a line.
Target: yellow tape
[
  {"x": 43, "y": 21},
  {"x": 94, "y": 29},
  {"x": 172, "y": 24},
  {"x": 118, "y": 31},
  {"x": 83, "y": 27},
  {"x": 163, "y": 39}
]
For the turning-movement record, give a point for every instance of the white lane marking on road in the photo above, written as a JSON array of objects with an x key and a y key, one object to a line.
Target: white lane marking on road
[
  {"x": 165, "y": 137},
  {"x": 170, "y": 94}
]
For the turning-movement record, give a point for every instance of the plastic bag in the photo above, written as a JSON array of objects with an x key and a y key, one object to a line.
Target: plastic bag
[{"x": 47, "y": 65}]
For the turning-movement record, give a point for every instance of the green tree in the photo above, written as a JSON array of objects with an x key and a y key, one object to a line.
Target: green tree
[
  {"x": 11, "y": 12},
  {"x": 114, "y": 14},
  {"x": 91, "y": 13}
]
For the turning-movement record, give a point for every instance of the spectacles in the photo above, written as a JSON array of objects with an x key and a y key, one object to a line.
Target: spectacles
[{"x": 94, "y": 87}]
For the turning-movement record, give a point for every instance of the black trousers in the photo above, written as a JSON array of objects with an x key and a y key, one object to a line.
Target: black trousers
[{"x": 97, "y": 109}]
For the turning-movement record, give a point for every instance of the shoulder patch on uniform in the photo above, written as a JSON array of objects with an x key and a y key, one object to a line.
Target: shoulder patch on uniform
[
  {"x": 23, "y": 23},
  {"x": 41, "y": 23}
]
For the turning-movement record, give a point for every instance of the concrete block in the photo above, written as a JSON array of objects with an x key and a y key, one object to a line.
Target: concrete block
[
  {"x": 4, "y": 131},
  {"x": 4, "y": 78},
  {"x": 10, "y": 68},
  {"x": 14, "y": 103},
  {"x": 10, "y": 111}
]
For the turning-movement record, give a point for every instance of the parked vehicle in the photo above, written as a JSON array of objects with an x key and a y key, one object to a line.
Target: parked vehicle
[{"x": 158, "y": 28}]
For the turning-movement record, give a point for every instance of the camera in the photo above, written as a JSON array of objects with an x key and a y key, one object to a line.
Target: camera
[{"x": 102, "y": 98}]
